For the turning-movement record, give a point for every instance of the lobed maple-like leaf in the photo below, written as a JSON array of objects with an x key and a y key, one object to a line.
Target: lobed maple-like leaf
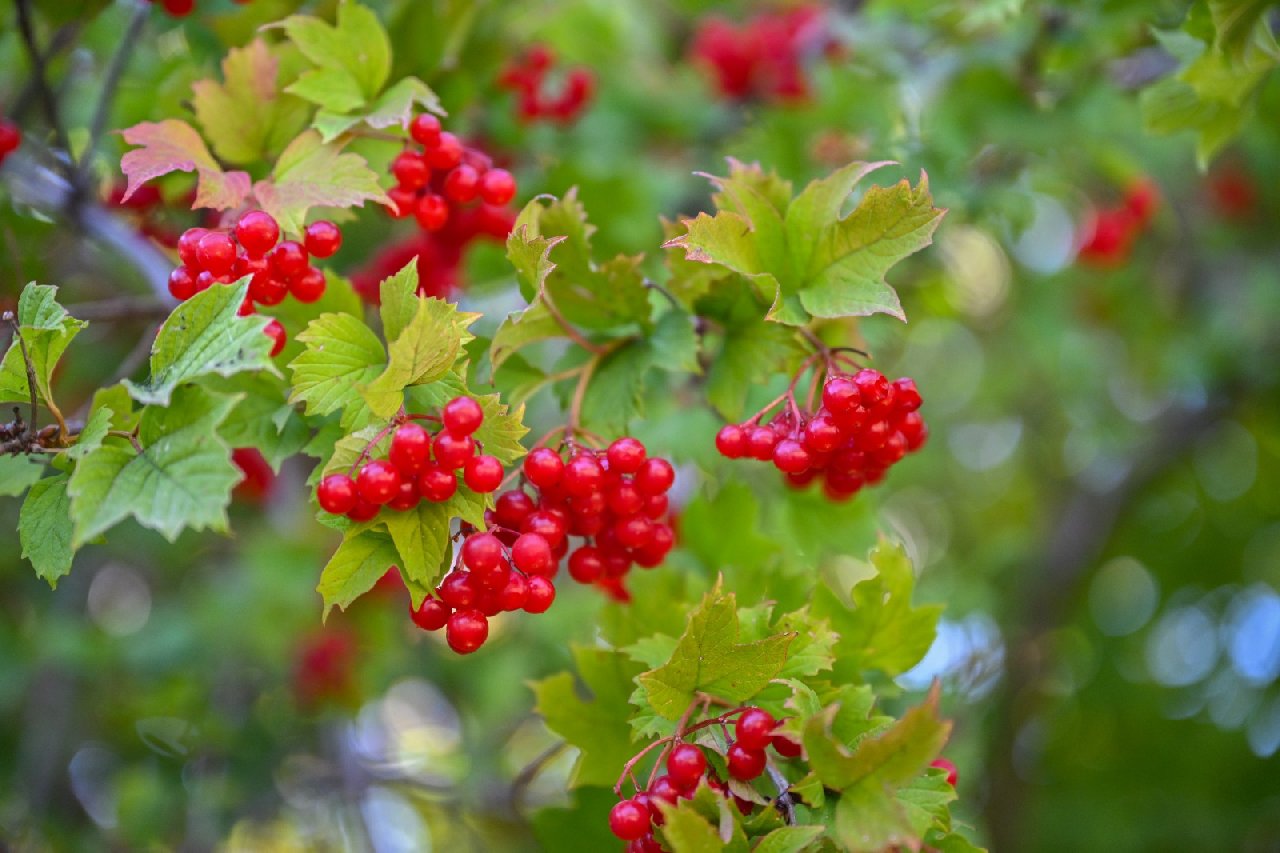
[
  {"x": 312, "y": 173},
  {"x": 175, "y": 146}
]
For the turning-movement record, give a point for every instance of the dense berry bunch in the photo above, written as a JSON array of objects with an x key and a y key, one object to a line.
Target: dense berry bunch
[
  {"x": 1108, "y": 233},
  {"x": 865, "y": 425},
  {"x": 764, "y": 57},
  {"x": 439, "y": 180},
  {"x": 745, "y": 758},
  {"x": 10, "y": 138},
  {"x": 527, "y": 76}
]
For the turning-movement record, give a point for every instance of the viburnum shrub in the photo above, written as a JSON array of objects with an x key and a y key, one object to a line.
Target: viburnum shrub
[{"x": 745, "y": 725}]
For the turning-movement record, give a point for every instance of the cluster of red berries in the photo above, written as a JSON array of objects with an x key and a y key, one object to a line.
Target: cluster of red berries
[
  {"x": 1108, "y": 233},
  {"x": 615, "y": 500},
  {"x": 253, "y": 248},
  {"x": 10, "y": 138},
  {"x": 526, "y": 77},
  {"x": 764, "y": 57},
  {"x": 865, "y": 425},
  {"x": 754, "y": 731},
  {"x": 182, "y": 8},
  {"x": 419, "y": 466},
  {"x": 434, "y": 183}
]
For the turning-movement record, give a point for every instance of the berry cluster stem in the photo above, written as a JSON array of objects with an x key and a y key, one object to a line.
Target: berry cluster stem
[{"x": 682, "y": 731}]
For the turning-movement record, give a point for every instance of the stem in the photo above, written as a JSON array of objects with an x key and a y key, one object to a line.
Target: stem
[
  {"x": 132, "y": 437},
  {"x": 783, "y": 804},
  {"x": 115, "y": 70},
  {"x": 26, "y": 360},
  {"x": 681, "y": 733},
  {"x": 653, "y": 285},
  {"x": 569, "y": 331},
  {"x": 373, "y": 442},
  {"x": 531, "y": 771}
]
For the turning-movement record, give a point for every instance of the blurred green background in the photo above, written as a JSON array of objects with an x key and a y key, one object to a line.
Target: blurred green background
[{"x": 1099, "y": 506}]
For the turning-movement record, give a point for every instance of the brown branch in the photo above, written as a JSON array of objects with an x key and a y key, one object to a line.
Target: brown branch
[{"x": 26, "y": 360}]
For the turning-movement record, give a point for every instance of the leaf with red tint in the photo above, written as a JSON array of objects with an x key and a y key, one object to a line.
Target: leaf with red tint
[
  {"x": 174, "y": 146},
  {"x": 311, "y": 173}
]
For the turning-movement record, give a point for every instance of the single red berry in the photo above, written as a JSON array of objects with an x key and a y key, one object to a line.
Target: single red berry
[
  {"x": 410, "y": 448},
  {"x": 378, "y": 481},
  {"x": 322, "y": 238},
  {"x": 187, "y": 245},
  {"x": 257, "y": 232},
  {"x": 544, "y": 468},
  {"x": 289, "y": 259},
  {"x": 266, "y": 289},
  {"x": 633, "y": 531},
  {"x": 656, "y": 506},
  {"x": 446, "y": 154},
  {"x": 655, "y": 476},
  {"x": 407, "y": 496},
  {"x": 760, "y": 443},
  {"x": 182, "y": 284},
  {"x": 754, "y": 728},
  {"x": 583, "y": 475},
  {"x": 432, "y": 615},
  {"x": 542, "y": 593},
  {"x": 179, "y": 8},
  {"x": 872, "y": 385},
  {"x": 629, "y": 820},
  {"x": 785, "y": 746},
  {"x": 531, "y": 554},
  {"x": 309, "y": 286},
  {"x": 483, "y": 474},
  {"x": 275, "y": 331},
  {"x": 625, "y": 499},
  {"x": 497, "y": 187},
  {"x": 585, "y": 565},
  {"x": 337, "y": 494},
  {"x": 746, "y": 764},
  {"x": 437, "y": 484},
  {"x": 685, "y": 766},
  {"x": 790, "y": 457},
  {"x": 453, "y": 451},
  {"x": 432, "y": 212},
  {"x": 840, "y": 394},
  {"x": 822, "y": 435},
  {"x": 626, "y": 455},
  {"x": 906, "y": 397},
  {"x": 216, "y": 253},
  {"x": 482, "y": 552},
  {"x": 466, "y": 631},
  {"x": 731, "y": 441},
  {"x": 547, "y": 525},
  {"x": 10, "y": 138},
  {"x": 651, "y": 554},
  {"x": 425, "y": 130},
  {"x": 462, "y": 184},
  {"x": 952, "y": 774},
  {"x": 462, "y": 416},
  {"x": 459, "y": 590},
  {"x": 363, "y": 511},
  {"x": 514, "y": 593},
  {"x": 410, "y": 170},
  {"x": 513, "y": 507},
  {"x": 403, "y": 202},
  {"x": 664, "y": 789}
]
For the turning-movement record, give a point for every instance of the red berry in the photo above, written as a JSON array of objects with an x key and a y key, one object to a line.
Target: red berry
[
  {"x": 257, "y": 232},
  {"x": 661, "y": 540},
  {"x": 322, "y": 238},
  {"x": 754, "y": 728},
  {"x": 462, "y": 416},
  {"x": 629, "y": 820},
  {"x": 289, "y": 259},
  {"x": 906, "y": 397},
  {"x": 187, "y": 245},
  {"x": 746, "y": 764},
  {"x": 446, "y": 154},
  {"x": 378, "y": 481},
  {"x": 583, "y": 475},
  {"x": 943, "y": 764},
  {"x": 432, "y": 212},
  {"x": 10, "y": 138},
  {"x": 432, "y": 615},
  {"x": 410, "y": 448},
  {"x": 182, "y": 284},
  {"x": 872, "y": 385},
  {"x": 406, "y": 498},
  {"x": 497, "y": 187},
  {"x": 179, "y": 8},
  {"x": 731, "y": 441},
  {"x": 512, "y": 508},
  {"x": 544, "y": 468},
  {"x": 785, "y": 746},
  {"x": 459, "y": 590},
  {"x": 437, "y": 484},
  {"x": 790, "y": 457},
  {"x": 633, "y": 531},
  {"x": 624, "y": 499},
  {"x": 482, "y": 552},
  {"x": 266, "y": 289},
  {"x": 411, "y": 170},
  {"x": 664, "y": 789},
  {"x": 541, "y": 595},
  {"x": 216, "y": 253},
  {"x": 626, "y": 455},
  {"x": 760, "y": 443},
  {"x": 425, "y": 130},
  {"x": 822, "y": 435},
  {"x": 546, "y": 525},
  {"x": 309, "y": 286},
  {"x": 403, "y": 202},
  {"x": 363, "y": 511},
  {"x": 585, "y": 565},
  {"x": 685, "y": 766},
  {"x": 275, "y": 331},
  {"x": 655, "y": 477},
  {"x": 466, "y": 631},
  {"x": 531, "y": 554},
  {"x": 462, "y": 184},
  {"x": 336, "y": 494},
  {"x": 483, "y": 474},
  {"x": 515, "y": 592},
  {"x": 453, "y": 451}
]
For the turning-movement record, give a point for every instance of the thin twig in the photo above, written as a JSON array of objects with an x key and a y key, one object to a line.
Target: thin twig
[
  {"x": 38, "y": 69},
  {"x": 31, "y": 370},
  {"x": 570, "y": 332},
  {"x": 63, "y": 38},
  {"x": 530, "y": 772},
  {"x": 115, "y": 70}
]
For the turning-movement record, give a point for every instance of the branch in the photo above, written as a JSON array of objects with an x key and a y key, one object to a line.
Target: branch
[
  {"x": 26, "y": 359},
  {"x": 48, "y": 102},
  {"x": 120, "y": 59}
]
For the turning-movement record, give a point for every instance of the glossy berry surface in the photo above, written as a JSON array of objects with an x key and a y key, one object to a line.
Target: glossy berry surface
[
  {"x": 466, "y": 631},
  {"x": 685, "y": 765},
  {"x": 432, "y": 615},
  {"x": 629, "y": 820},
  {"x": 754, "y": 728},
  {"x": 745, "y": 764},
  {"x": 322, "y": 239},
  {"x": 378, "y": 482},
  {"x": 462, "y": 416},
  {"x": 410, "y": 448},
  {"x": 483, "y": 474},
  {"x": 257, "y": 231},
  {"x": 336, "y": 494}
]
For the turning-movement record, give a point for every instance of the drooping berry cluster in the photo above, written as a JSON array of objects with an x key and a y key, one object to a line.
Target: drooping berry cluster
[
  {"x": 1108, "y": 233},
  {"x": 754, "y": 731},
  {"x": 10, "y": 138},
  {"x": 182, "y": 8},
  {"x": 765, "y": 56},
  {"x": 865, "y": 425},
  {"x": 434, "y": 183},
  {"x": 418, "y": 467},
  {"x": 527, "y": 75}
]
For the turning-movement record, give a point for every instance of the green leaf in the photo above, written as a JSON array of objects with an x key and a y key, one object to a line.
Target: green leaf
[
  {"x": 421, "y": 537},
  {"x": 47, "y": 330},
  {"x": 870, "y": 820},
  {"x": 924, "y": 801},
  {"x": 615, "y": 393},
  {"x": 261, "y": 419},
  {"x": 686, "y": 831},
  {"x": 182, "y": 477},
  {"x": 750, "y": 354},
  {"x": 814, "y": 646},
  {"x": 788, "y": 839},
  {"x": 398, "y": 300},
  {"x": 205, "y": 336},
  {"x": 312, "y": 173},
  {"x": 395, "y": 107},
  {"x": 882, "y": 631},
  {"x": 675, "y": 343},
  {"x": 531, "y": 257},
  {"x": 363, "y": 557},
  {"x": 174, "y": 146},
  {"x": 423, "y": 352},
  {"x": 17, "y": 473},
  {"x": 502, "y": 428},
  {"x": 95, "y": 430},
  {"x": 355, "y": 51},
  {"x": 709, "y": 659},
  {"x": 44, "y": 528},
  {"x": 246, "y": 118},
  {"x": 596, "y": 726},
  {"x": 734, "y": 507},
  {"x": 342, "y": 355}
]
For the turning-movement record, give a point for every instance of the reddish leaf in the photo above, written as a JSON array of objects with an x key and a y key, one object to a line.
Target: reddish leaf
[{"x": 174, "y": 146}]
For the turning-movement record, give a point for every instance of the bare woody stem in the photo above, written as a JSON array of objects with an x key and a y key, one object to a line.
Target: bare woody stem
[{"x": 26, "y": 360}]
